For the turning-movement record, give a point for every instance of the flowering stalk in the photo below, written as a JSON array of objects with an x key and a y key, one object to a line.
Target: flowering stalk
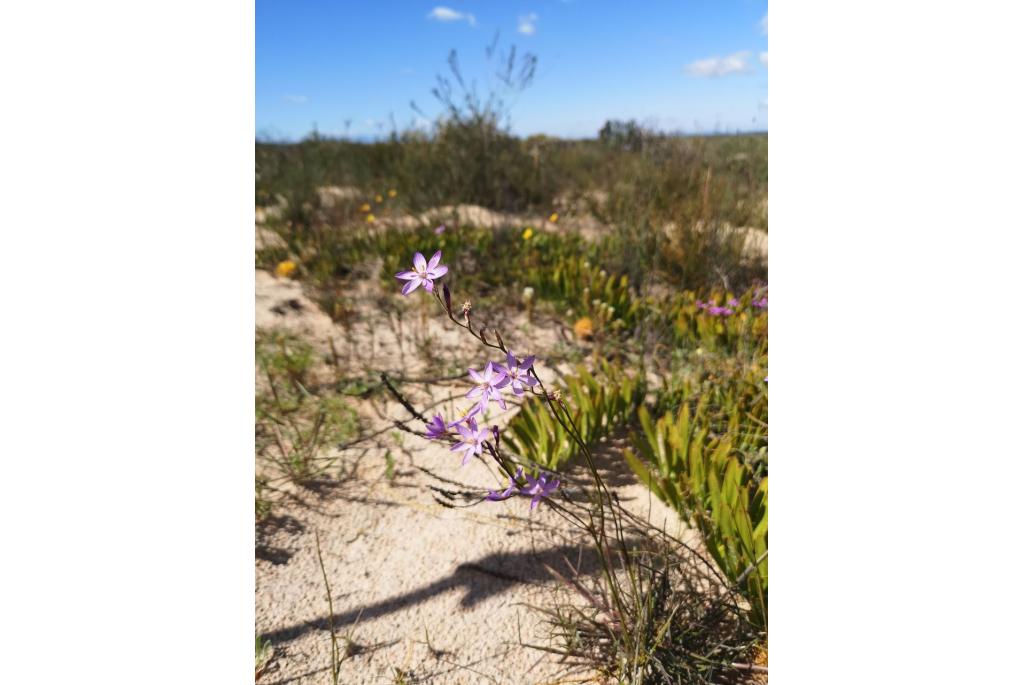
[{"x": 520, "y": 377}]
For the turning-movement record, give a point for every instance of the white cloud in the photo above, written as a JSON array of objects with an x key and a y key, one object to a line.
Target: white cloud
[
  {"x": 764, "y": 24},
  {"x": 528, "y": 24},
  {"x": 298, "y": 99},
  {"x": 735, "y": 63},
  {"x": 764, "y": 58},
  {"x": 447, "y": 14}
]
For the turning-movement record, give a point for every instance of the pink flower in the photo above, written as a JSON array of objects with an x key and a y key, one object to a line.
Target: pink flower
[
  {"x": 466, "y": 415},
  {"x": 488, "y": 385},
  {"x": 472, "y": 442},
  {"x": 509, "y": 491},
  {"x": 518, "y": 373},
  {"x": 539, "y": 488},
  {"x": 423, "y": 273}
]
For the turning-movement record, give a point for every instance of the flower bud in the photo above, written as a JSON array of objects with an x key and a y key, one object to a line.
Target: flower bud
[
  {"x": 497, "y": 436},
  {"x": 447, "y": 297}
]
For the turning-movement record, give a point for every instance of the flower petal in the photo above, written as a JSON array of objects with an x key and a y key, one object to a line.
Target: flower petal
[
  {"x": 411, "y": 285},
  {"x": 428, "y": 285},
  {"x": 434, "y": 260},
  {"x": 438, "y": 271},
  {"x": 419, "y": 261},
  {"x": 407, "y": 275}
]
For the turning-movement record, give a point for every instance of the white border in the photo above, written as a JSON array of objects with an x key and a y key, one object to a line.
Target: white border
[{"x": 127, "y": 345}]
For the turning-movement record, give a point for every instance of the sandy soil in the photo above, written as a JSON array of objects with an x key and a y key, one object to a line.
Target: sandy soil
[{"x": 440, "y": 595}]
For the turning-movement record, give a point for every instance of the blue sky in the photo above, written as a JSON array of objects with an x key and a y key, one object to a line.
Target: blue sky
[{"x": 685, "y": 65}]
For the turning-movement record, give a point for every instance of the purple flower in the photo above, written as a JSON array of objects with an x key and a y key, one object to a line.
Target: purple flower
[
  {"x": 762, "y": 303},
  {"x": 733, "y": 302},
  {"x": 422, "y": 273},
  {"x": 436, "y": 428},
  {"x": 539, "y": 488},
  {"x": 518, "y": 373},
  {"x": 469, "y": 414},
  {"x": 715, "y": 310},
  {"x": 472, "y": 442},
  {"x": 488, "y": 385},
  {"x": 439, "y": 230},
  {"x": 509, "y": 491}
]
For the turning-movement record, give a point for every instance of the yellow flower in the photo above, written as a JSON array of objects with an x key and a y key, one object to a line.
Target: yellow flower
[
  {"x": 365, "y": 207},
  {"x": 285, "y": 269},
  {"x": 584, "y": 328},
  {"x": 528, "y": 233},
  {"x": 392, "y": 192},
  {"x": 553, "y": 218},
  {"x": 378, "y": 199},
  {"x": 370, "y": 218}
]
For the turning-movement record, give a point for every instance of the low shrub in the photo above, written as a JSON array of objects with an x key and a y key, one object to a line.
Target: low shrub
[
  {"x": 715, "y": 490},
  {"x": 599, "y": 405}
]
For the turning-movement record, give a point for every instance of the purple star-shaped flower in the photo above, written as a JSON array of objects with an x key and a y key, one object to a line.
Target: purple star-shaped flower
[
  {"x": 518, "y": 373},
  {"x": 472, "y": 442},
  {"x": 509, "y": 491},
  {"x": 436, "y": 428},
  {"x": 423, "y": 273},
  {"x": 762, "y": 303},
  {"x": 733, "y": 302},
  {"x": 488, "y": 385},
  {"x": 539, "y": 488}
]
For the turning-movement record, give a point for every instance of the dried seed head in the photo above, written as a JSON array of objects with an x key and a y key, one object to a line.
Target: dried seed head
[
  {"x": 556, "y": 395},
  {"x": 467, "y": 307}
]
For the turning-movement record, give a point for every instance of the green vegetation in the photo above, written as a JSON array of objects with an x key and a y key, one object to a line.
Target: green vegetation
[
  {"x": 264, "y": 655},
  {"x": 295, "y": 418},
  {"x": 717, "y": 492},
  {"x": 602, "y": 403},
  {"x": 659, "y": 282}
]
